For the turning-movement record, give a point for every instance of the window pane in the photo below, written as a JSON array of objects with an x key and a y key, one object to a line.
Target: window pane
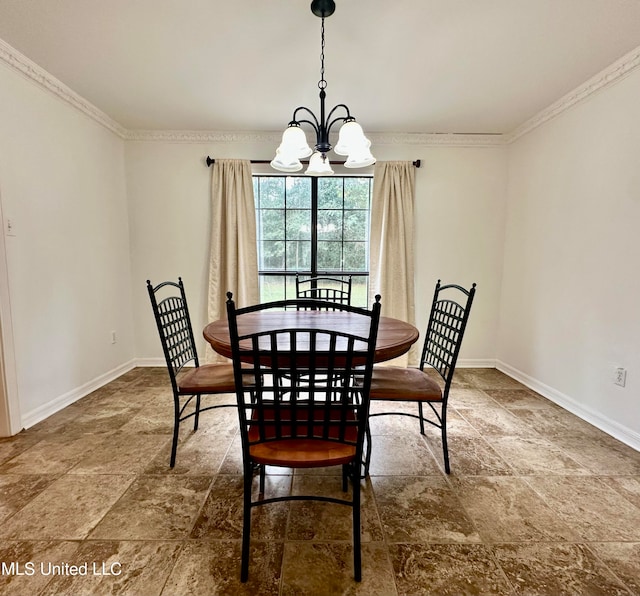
[
  {"x": 272, "y": 255},
  {"x": 329, "y": 193},
  {"x": 271, "y": 191},
  {"x": 355, "y": 256},
  {"x": 271, "y": 288},
  {"x": 356, "y": 226},
  {"x": 330, "y": 224},
  {"x": 356, "y": 193},
  {"x": 298, "y": 255},
  {"x": 298, "y": 192},
  {"x": 359, "y": 291},
  {"x": 298, "y": 224},
  {"x": 271, "y": 224},
  {"x": 329, "y": 255}
]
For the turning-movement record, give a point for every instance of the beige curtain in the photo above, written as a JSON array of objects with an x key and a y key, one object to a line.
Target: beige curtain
[
  {"x": 233, "y": 262},
  {"x": 391, "y": 244}
]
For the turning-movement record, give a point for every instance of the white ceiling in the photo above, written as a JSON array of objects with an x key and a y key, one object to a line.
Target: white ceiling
[{"x": 405, "y": 66}]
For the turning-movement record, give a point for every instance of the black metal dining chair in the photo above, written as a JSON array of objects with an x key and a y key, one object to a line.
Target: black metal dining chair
[
  {"x": 447, "y": 323},
  {"x": 169, "y": 304},
  {"x": 318, "y": 424},
  {"x": 329, "y": 290}
]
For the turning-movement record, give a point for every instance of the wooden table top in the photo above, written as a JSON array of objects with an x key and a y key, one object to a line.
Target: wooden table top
[{"x": 395, "y": 337}]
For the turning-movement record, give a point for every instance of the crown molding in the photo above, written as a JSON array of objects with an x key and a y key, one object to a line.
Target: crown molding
[
  {"x": 20, "y": 63},
  {"x": 26, "y": 67},
  {"x": 428, "y": 139},
  {"x": 610, "y": 75},
  {"x": 203, "y": 136}
]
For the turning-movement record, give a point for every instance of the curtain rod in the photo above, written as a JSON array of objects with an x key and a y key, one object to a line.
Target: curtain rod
[{"x": 210, "y": 161}]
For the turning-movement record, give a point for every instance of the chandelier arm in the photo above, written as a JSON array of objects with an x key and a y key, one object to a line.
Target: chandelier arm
[{"x": 315, "y": 123}]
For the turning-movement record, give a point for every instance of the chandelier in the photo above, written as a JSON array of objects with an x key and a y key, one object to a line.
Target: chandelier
[{"x": 351, "y": 140}]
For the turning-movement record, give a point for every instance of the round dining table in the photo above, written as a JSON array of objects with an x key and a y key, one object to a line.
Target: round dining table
[{"x": 395, "y": 337}]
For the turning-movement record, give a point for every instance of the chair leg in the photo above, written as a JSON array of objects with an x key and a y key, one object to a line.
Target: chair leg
[
  {"x": 367, "y": 456},
  {"x": 421, "y": 413},
  {"x": 197, "y": 416},
  {"x": 445, "y": 446},
  {"x": 246, "y": 524},
  {"x": 263, "y": 473},
  {"x": 176, "y": 431},
  {"x": 357, "y": 553}
]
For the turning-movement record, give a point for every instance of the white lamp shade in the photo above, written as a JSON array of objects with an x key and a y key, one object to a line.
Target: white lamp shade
[
  {"x": 350, "y": 138},
  {"x": 286, "y": 162},
  {"x": 360, "y": 158},
  {"x": 319, "y": 166},
  {"x": 294, "y": 142}
]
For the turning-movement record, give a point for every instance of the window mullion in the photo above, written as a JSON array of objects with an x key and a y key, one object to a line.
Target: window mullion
[{"x": 314, "y": 226}]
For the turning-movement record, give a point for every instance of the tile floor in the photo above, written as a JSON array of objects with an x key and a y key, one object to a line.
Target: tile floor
[{"x": 538, "y": 502}]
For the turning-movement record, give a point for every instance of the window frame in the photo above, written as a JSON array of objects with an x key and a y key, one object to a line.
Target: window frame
[{"x": 314, "y": 270}]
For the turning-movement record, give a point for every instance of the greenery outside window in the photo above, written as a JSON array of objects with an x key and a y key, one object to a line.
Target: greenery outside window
[{"x": 312, "y": 226}]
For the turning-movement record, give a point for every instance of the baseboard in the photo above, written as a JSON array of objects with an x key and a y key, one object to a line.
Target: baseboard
[
  {"x": 611, "y": 427},
  {"x": 57, "y": 404},
  {"x": 477, "y": 363},
  {"x": 150, "y": 362}
]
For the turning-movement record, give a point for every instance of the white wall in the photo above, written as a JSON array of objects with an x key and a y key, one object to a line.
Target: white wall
[
  {"x": 62, "y": 183},
  {"x": 460, "y": 210},
  {"x": 569, "y": 309}
]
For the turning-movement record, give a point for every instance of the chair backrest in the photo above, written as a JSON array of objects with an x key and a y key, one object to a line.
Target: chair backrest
[
  {"x": 330, "y": 290},
  {"x": 330, "y": 404},
  {"x": 169, "y": 304},
  {"x": 446, "y": 327}
]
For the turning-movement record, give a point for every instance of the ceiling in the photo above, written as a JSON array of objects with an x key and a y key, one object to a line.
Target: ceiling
[{"x": 404, "y": 66}]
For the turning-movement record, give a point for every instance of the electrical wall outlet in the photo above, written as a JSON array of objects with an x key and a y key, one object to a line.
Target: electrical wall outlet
[
  {"x": 10, "y": 227},
  {"x": 620, "y": 376}
]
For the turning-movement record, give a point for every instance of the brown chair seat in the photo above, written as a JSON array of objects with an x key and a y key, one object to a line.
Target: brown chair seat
[
  {"x": 296, "y": 452},
  {"x": 208, "y": 378},
  {"x": 403, "y": 384}
]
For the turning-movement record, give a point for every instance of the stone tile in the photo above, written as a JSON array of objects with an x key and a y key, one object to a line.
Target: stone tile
[
  {"x": 602, "y": 456},
  {"x": 506, "y": 509},
  {"x": 68, "y": 509},
  {"x": 535, "y": 455},
  {"x": 421, "y": 509},
  {"x": 199, "y": 453},
  {"x": 158, "y": 420},
  {"x": 17, "y": 490},
  {"x": 55, "y": 454},
  {"x": 487, "y": 378},
  {"x": 232, "y": 463},
  {"x": 469, "y": 453},
  {"x": 627, "y": 486},
  {"x": 25, "y": 561},
  {"x": 496, "y": 422},
  {"x": 558, "y": 569},
  {"x": 122, "y": 453},
  {"x": 593, "y": 509},
  {"x": 11, "y": 447},
  {"x": 623, "y": 559},
  {"x": 221, "y": 515},
  {"x": 447, "y": 570},
  {"x": 554, "y": 421},
  {"x": 213, "y": 567},
  {"x": 98, "y": 419},
  {"x": 470, "y": 397},
  {"x": 401, "y": 455},
  {"x": 520, "y": 398},
  {"x": 123, "y": 568},
  {"x": 155, "y": 508},
  {"x": 316, "y": 568},
  {"x": 313, "y": 520}
]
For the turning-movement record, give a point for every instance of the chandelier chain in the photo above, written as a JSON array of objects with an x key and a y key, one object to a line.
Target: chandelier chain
[{"x": 322, "y": 84}]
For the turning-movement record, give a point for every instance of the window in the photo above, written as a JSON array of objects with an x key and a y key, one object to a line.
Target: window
[{"x": 313, "y": 226}]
